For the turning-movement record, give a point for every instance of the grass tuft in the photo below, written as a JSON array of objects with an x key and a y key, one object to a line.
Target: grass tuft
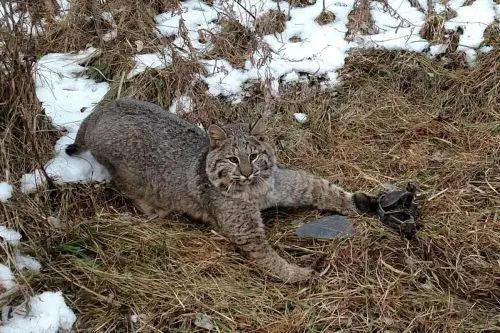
[
  {"x": 433, "y": 29},
  {"x": 325, "y": 17},
  {"x": 272, "y": 22},
  {"x": 360, "y": 20},
  {"x": 233, "y": 42}
]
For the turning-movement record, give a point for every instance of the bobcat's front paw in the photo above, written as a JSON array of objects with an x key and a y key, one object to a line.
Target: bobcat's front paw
[
  {"x": 365, "y": 203},
  {"x": 298, "y": 274}
]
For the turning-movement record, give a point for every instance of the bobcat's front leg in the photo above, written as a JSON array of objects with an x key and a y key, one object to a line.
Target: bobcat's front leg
[
  {"x": 299, "y": 188},
  {"x": 242, "y": 225}
]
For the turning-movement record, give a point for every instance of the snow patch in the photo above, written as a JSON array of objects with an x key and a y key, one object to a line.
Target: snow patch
[
  {"x": 300, "y": 117},
  {"x": 193, "y": 17},
  {"x": 5, "y": 191},
  {"x": 10, "y": 236},
  {"x": 182, "y": 104},
  {"x": 68, "y": 97},
  {"x": 474, "y": 20},
  {"x": 149, "y": 61},
  {"x": 45, "y": 313},
  {"x": 7, "y": 281},
  {"x": 398, "y": 30},
  {"x": 27, "y": 262}
]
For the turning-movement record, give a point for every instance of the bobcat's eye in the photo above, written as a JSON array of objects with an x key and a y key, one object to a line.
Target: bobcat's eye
[
  {"x": 253, "y": 157},
  {"x": 233, "y": 159}
]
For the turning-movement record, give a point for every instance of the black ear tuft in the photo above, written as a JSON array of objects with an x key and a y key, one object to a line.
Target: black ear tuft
[{"x": 258, "y": 128}]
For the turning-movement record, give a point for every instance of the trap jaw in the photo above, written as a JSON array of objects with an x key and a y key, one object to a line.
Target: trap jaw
[{"x": 399, "y": 211}]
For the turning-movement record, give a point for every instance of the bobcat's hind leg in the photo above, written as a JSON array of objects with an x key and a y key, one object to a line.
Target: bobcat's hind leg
[
  {"x": 150, "y": 210},
  {"x": 145, "y": 207}
]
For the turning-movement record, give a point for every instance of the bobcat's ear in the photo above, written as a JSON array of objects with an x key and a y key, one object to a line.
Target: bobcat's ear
[
  {"x": 217, "y": 135},
  {"x": 258, "y": 128}
]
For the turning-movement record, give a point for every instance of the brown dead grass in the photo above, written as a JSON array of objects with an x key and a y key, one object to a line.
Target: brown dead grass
[
  {"x": 360, "y": 20},
  {"x": 26, "y": 136},
  {"x": 133, "y": 25},
  {"x": 433, "y": 28},
  {"x": 325, "y": 17},
  {"x": 492, "y": 35},
  {"x": 301, "y": 3},
  {"x": 272, "y": 22},
  {"x": 161, "y": 86},
  {"x": 233, "y": 42},
  {"x": 396, "y": 117}
]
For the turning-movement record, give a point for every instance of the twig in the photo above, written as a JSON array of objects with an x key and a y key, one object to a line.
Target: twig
[
  {"x": 246, "y": 10},
  {"x": 437, "y": 194}
]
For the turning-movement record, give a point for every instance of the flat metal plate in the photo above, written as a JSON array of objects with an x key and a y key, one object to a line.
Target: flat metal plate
[{"x": 328, "y": 227}]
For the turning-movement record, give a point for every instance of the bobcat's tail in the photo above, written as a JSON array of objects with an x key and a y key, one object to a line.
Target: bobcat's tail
[
  {"x": 73, "y": 149},
  {"x": 79, "y": 145}
]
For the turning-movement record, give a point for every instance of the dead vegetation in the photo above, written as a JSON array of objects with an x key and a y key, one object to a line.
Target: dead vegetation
[
  {"x": 26, "y": 136},
  {"x": 161, "y": 86},
  {"x": 397, "y": 116},
  {"x": 433, "y": 29},
  {"x": 360, "y": 20},
  {"x": 301, "y": 3},
  {"x": 233, "y": 42},
  {"x": 272, "y": 22},
  {"x": 325, "y": 17},
  {"x": 492, "y": 35}
]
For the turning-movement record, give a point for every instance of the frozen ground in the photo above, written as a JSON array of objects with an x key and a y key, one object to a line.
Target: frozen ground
[{"x": 305, "y": 47}]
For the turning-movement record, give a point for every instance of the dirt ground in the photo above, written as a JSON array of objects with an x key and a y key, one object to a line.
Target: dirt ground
[{"x": 395, "y": 117}]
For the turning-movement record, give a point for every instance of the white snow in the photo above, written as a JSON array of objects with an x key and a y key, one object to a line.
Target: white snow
[
  {"x": 473, "y": 19},
  {"x": 107, "y": 16},
  {"x": 399, "y": 32},
  {"x": 67, "y": 97},
  {"x": 149, "y": 61},
  {"x": 27, "y": 262},
  {"x": 64, "y": 5},
  {"x": 10, "y": 236},
  {"x": 182, "y": 104},
  {"x": 5, "y": 191},
  {"x": 437, "y": 49},
  {"x": 46, "y": 313},
  {"x": 194, "y": 15},
  {"x": 225, "y": 80},
  {"x": 7, "y": 281},
  {"x": 300, "y": 117}
]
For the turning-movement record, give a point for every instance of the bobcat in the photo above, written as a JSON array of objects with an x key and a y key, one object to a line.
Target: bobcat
[{"x": 225, "y": 178}]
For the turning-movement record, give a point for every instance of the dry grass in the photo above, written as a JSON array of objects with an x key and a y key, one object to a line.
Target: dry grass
[
  {"x": 396, "y": 117},
  {"x": 301, "y": 3},
  {"x": 492, "y": 35},
  {"x": 433, "y": 28},
  {"x": 272, "y": 22},
  {"x": 161, "y": 86},
  {"x": 233, "y": 42},
  {"x": 325, "y": 17},
  {"x": 360, "y": 20},
  {"x": 26, "y": 136}
]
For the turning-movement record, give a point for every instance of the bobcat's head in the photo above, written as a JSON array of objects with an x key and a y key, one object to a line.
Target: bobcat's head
[{"x": 239, "y": 160}]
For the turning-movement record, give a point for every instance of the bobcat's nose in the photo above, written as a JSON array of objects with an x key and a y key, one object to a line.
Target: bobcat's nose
[{"x": 246, "y": 169}]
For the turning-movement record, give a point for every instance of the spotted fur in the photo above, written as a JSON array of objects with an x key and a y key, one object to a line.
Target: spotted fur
[{"x": 224, "y": 177}]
